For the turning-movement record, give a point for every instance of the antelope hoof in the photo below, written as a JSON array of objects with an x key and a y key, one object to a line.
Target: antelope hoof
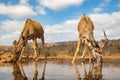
[
  {"x": 72, "y": 61},
  {"x": 35, "y": 58}
]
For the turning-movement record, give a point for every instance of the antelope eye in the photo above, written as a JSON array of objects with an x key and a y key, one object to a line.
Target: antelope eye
[{"x": 96, "y": 51}]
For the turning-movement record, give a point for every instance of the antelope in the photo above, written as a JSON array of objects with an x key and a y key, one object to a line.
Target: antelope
[
  {"x": 85, "y": 29},
  {"x": 31, "y": 30},
  {"x": 20, "y": 74},
  {"x": 91, "y": 72}
]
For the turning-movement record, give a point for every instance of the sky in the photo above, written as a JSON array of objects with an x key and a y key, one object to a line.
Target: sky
[{"x": 59, "y": 18}]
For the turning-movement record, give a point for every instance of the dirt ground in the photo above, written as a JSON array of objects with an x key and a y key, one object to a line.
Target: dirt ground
[
  {"x": 113, "y": 57},
  {"x": 6, "y": 58}
]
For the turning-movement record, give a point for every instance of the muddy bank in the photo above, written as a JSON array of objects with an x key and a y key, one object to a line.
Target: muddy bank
[{"x": 7, "y": 57}]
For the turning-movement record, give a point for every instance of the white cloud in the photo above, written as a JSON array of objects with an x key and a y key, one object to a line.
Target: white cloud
[
  {"x": 101, "y": 6},
  {"x": 96, "y": 10},
  {"x": 10, "y": 30},
  {"x": 40, "y": 10},
  {"x": 25, "y": 2},
  {"x": 57, "y": 5},
  {"x": 8, "y": 38},
  {"x": 53, "y": 33},
  {"x": 108, "y": 22},
  {"x": 118, "y": 5},
  {"x": 18, "y": 10},
  {"x": 104, "y": 3},
  {"x": 67, "y": 30},
  {"x": 62, "y": 32},
  {"x": 11, "y": 25}
]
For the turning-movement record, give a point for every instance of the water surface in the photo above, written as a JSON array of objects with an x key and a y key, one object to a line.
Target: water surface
[{"x": 61, "y": 70}]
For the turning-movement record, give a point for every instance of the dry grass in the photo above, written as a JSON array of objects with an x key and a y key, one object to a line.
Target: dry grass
[
  {"x": 7, "y": 57},
  {"x": 106, "y": 57}
]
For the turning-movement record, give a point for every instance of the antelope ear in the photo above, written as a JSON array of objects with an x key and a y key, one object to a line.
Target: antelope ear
[
  {"x": 14, "y": 42},
  {"x": 88, "y": 42}
]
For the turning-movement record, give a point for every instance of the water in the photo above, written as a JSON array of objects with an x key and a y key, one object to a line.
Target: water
[{"x": 61, "y": 70}]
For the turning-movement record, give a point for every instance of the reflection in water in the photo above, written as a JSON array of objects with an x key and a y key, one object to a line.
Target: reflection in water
[
  {"x": 57, "y": 70},
  {"x": 76, "y": 71},
  {"x": 19, "y": 73},
  {"x": 92, "y": 72},
  {"x": 43, "y": 73}
]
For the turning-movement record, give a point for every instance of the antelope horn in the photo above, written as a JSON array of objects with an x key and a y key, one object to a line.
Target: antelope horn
[
  {"x": 106, "y": 39},
  {"x": 105, "y": 35}
]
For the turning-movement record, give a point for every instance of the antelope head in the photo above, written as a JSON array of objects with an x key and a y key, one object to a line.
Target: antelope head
[
  {"x": 97, "y": 47},
  {"x": 17, "y": 45}
]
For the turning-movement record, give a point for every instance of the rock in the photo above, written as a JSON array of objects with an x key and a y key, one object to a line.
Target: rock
[
  {"x": 5, "y": 57},
  {"x": 9, "y": 59},
  {"x": 3, "y": 61}
]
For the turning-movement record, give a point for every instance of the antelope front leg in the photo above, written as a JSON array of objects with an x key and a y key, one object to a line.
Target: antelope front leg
[
  {"x": 35, "y": 49},
  {"x": 76, "y": 71},
  {"x": 84, "y": 53},
  {"x": 22, "y": 70},
  {"x": 84, "y": 68},
  {"x": 21, "y": 54},
  {"x": 35, "y": 71},
  {"x": 77, "y": 50}
]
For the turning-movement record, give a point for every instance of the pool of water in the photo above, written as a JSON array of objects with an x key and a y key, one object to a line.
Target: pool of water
[{"x": 61, "y": 70}]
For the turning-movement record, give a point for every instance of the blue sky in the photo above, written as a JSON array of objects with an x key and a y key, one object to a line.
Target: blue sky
[{"x": 59, "y": 18}]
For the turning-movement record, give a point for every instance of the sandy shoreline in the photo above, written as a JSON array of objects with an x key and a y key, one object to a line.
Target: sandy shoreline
[
  {"x": 64, "y": 57},
  {"x": 113, "y": 57},
  {"x": 6, "y": 58}
]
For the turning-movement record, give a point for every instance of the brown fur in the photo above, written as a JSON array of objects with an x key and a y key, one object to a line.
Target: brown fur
[
  {"x": 32, "y": 30},
  {"x": 85, "y": 29}
]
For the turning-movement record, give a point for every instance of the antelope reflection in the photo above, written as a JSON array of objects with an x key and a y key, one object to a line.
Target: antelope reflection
[
  {"x": 92, "y": 72},
  {"x": 76, "y": 71},
  {"x": 19, "y": 73}
]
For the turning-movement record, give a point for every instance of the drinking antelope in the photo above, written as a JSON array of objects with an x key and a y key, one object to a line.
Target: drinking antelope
[
  {"x": 32, "y": 30},
  {"x": 85, "y": 29}
]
